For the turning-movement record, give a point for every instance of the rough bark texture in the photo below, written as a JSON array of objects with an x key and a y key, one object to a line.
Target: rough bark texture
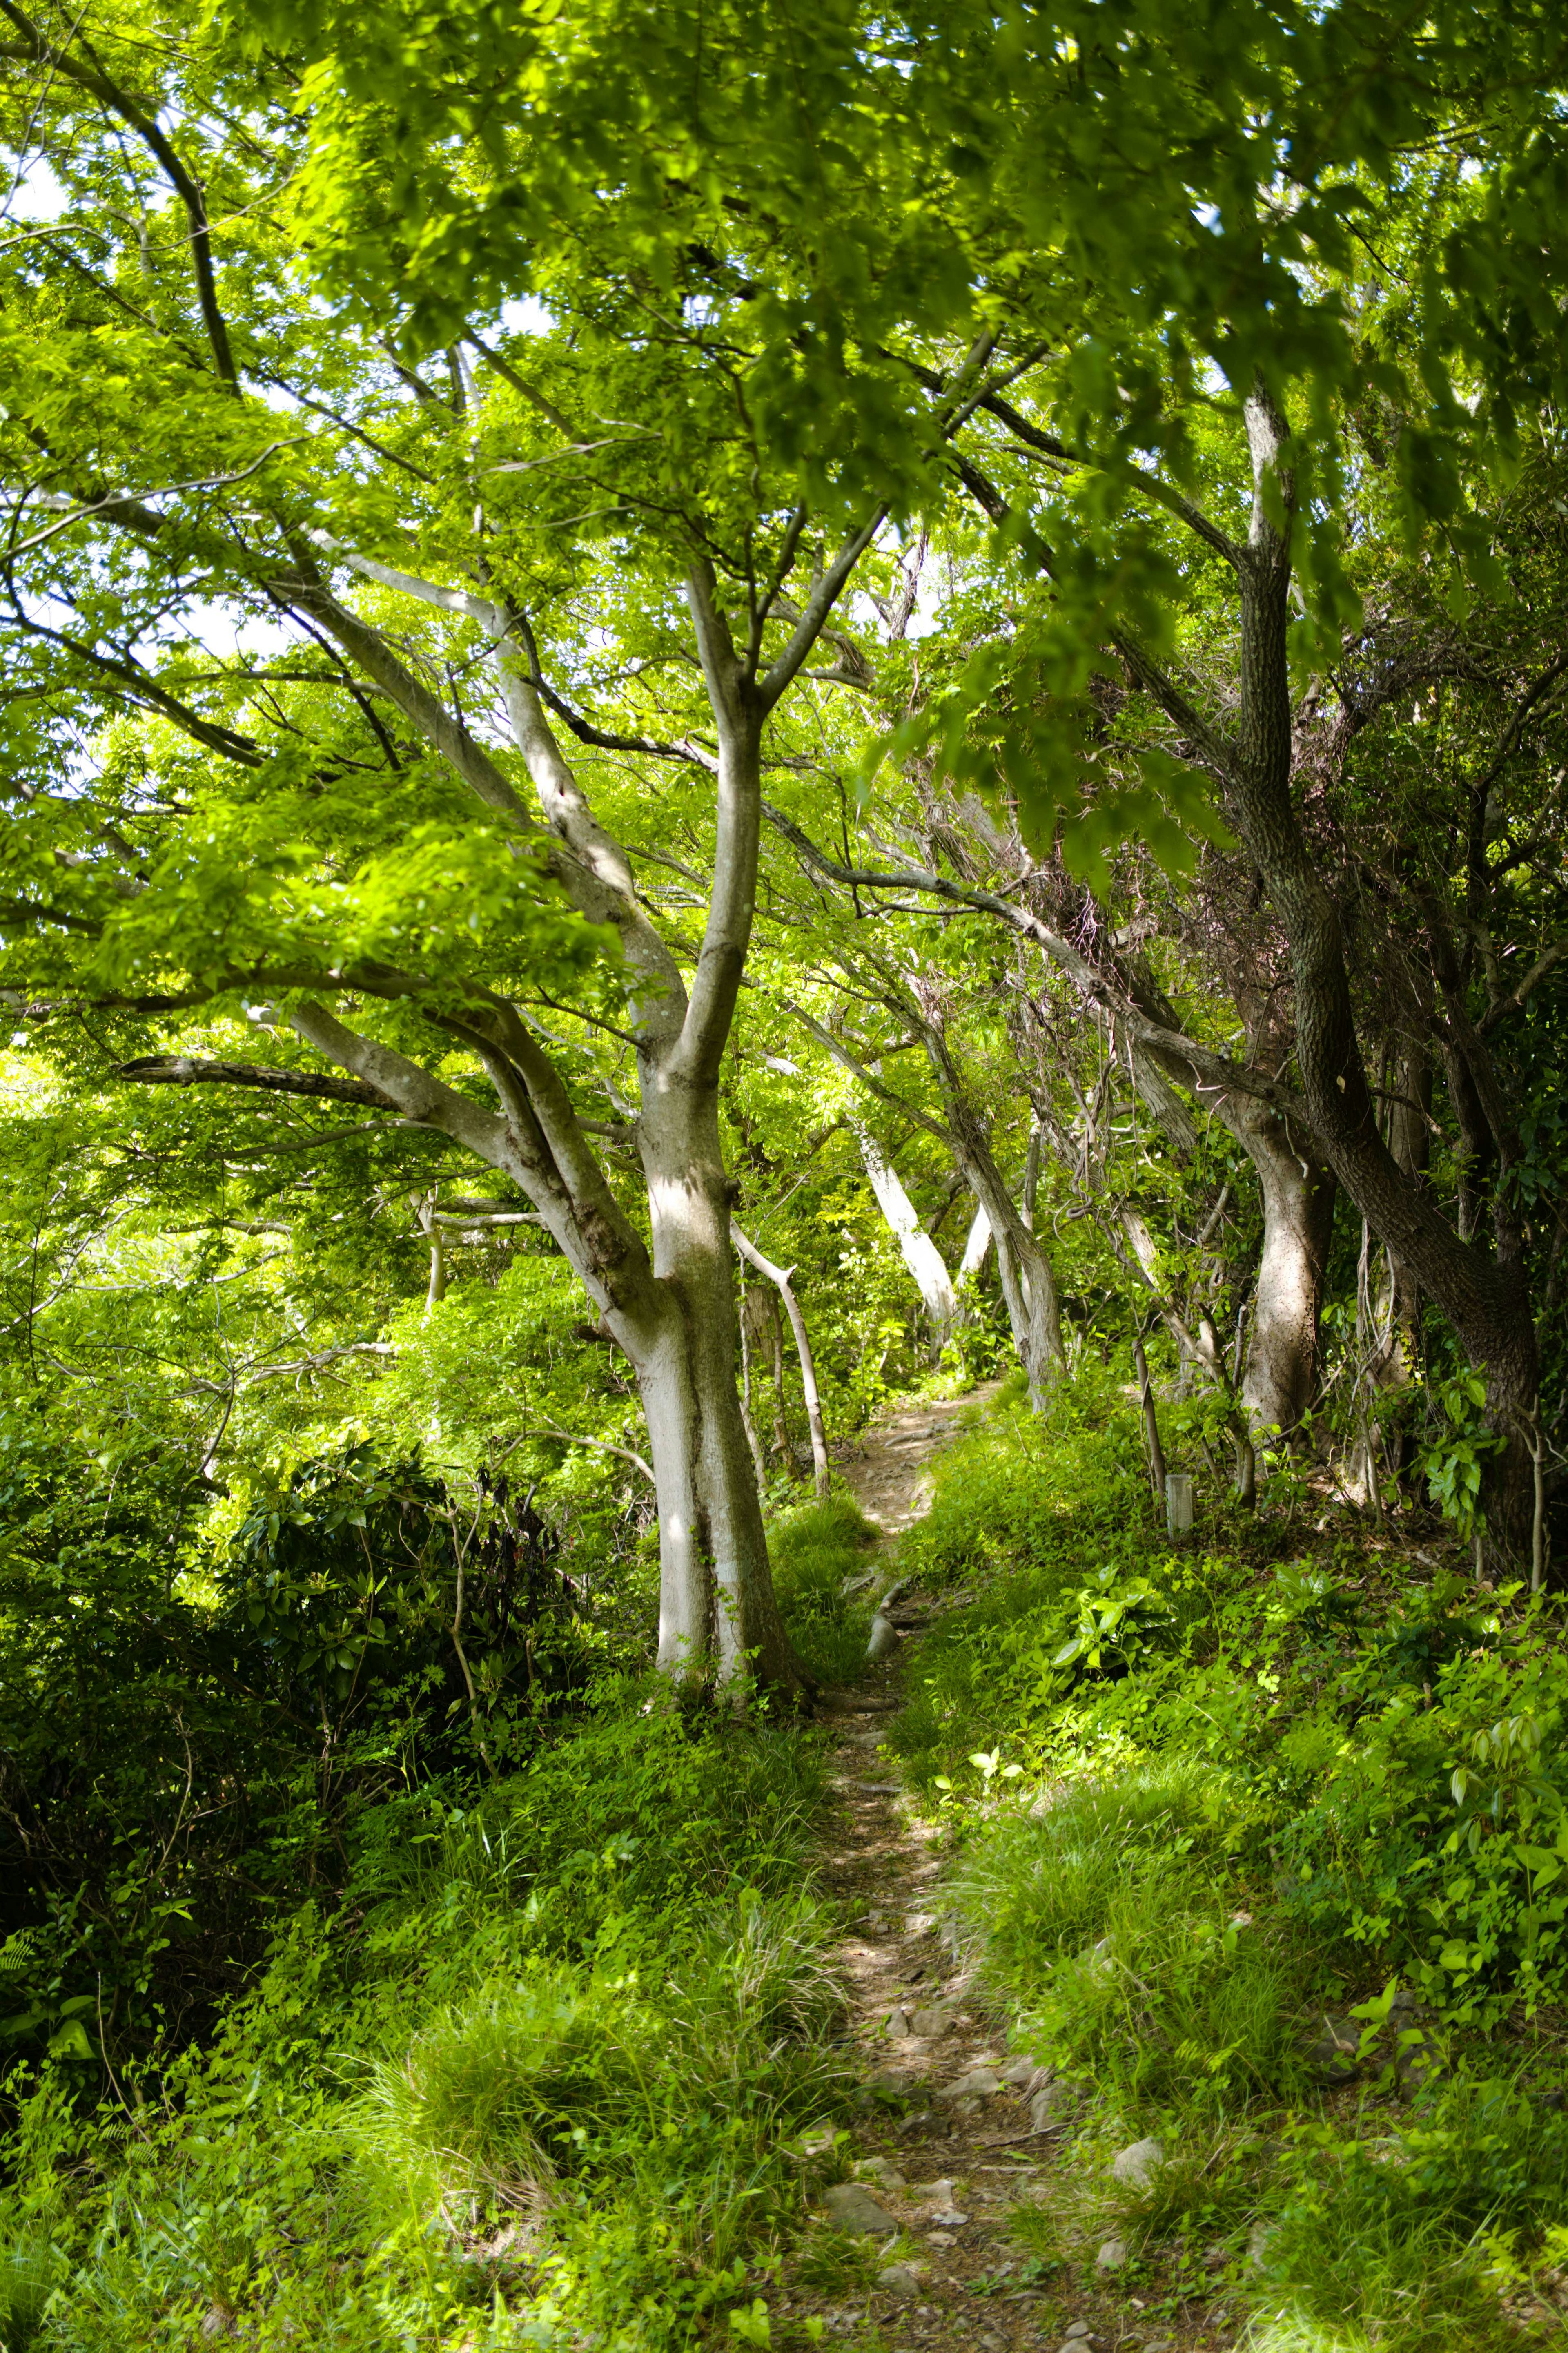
[{"x": 1484, "y": 1297}]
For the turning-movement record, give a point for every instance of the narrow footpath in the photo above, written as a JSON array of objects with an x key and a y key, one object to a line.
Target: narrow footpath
[{"x": 967, "y": 2140}]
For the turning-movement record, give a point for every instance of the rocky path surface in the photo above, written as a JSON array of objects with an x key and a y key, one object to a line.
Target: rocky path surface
[{"x": 956, "y": 2152}]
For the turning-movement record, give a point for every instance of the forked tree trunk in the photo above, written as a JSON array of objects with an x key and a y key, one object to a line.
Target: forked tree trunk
[
  {"x": 717, "y": 1610},
  {"x": 673, "y": 1311}
]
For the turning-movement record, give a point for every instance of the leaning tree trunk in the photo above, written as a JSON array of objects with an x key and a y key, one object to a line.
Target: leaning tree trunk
[
  {"x": 1024, "y": 1267},
  {"x": 1027, "y": 1277},
  {"x": 1297, "y": 1194},
  {"x": 977, "y": 1243},
  {"x": 921, "y": 1254},
  {"x": 779, "y": 1277},
  {"x": 1486, "y": 1297}
]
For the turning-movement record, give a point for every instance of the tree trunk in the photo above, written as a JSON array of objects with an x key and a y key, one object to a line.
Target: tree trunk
[
  {"x": 1027, "y": 1277},
  {"x": 921, "y": 1254},
  {"x": 1484, "y": 1297},
  {"x": 748, "y": 1418},
  {"x": 1297, "y": 1193},
  {"x": 975, "y": 1247},
  {"x": 779, "y": 1276},
  {"x": 717, "y": 1610},
  {"x": 424, "y": 1210}
]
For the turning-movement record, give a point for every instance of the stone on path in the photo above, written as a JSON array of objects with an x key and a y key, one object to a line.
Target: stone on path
[
  {"x": 882, "y": 2170},
  {"x": 1139, "y": 2164},
  {"x": 850, "y": 2206},
  {"x": 1019, "y": 2072},
  {"x": 978, "y": 2085},
  {"x": 899, "y": 2025},
  {"x": 929, "y": 2023},
  {"x": 899, "y": 2279},
  {"x": 884, "y": 1639},
  {"x": 1044, "y": 2104},
  {"x": 1112, "y": 2256}
]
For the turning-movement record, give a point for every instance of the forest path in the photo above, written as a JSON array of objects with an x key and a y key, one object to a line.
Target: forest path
[{"x": 954, "y": 2155}]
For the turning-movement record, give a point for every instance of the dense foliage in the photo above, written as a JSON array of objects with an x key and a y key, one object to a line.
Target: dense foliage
[{"x": 710, "y": 717}]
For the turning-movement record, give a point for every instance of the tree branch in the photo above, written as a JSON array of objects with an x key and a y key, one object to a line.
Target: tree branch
[
  {"x": 179, "y": 1071},
  {"x": 1208, "y": 1069},
  {"x": 40, "y": 51}
]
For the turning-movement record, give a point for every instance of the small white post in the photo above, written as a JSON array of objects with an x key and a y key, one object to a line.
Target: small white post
[{"x": 1178, "y": 1504}]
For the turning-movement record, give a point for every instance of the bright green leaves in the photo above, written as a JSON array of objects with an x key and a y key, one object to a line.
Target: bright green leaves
[{"x": 1031, "y": 713}]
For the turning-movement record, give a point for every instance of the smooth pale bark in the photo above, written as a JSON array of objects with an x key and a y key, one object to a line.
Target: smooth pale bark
[
  {"x": 671, "y": 1308},
  {"x": 748, "y": 1419},
  {"x": 1026, "y": 1275},
  {"x": 431, "y": 1227},
  {"x": 1031, "y": 1175},
  {"x": 919, "y": 1253},
  {"x": 1297, "y": 1193},
  {"x": 779, "y": 1276},
  {"x": 975, "y": 1247}
]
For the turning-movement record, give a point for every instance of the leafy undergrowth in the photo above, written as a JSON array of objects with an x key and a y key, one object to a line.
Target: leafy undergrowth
[
  {"x": 531, "y": 2065},
  {"x": 1206, "y": 1799},
  {"x": 823, "y": 1582}
]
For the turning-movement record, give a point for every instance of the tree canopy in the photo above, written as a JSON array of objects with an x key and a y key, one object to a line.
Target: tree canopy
[{"x": 711, "y": 714}]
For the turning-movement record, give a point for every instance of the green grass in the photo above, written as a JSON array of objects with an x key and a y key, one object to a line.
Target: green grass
[
  {"x": 556, "y": 2045},
  {"x": 1112, "y": 1925},
  {"x": 819, "y": 1550},
  {"x": 1195, "y": 1795}
]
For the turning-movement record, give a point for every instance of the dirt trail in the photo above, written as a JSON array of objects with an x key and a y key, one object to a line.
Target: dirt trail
[{"x": 947, "y": 2165}]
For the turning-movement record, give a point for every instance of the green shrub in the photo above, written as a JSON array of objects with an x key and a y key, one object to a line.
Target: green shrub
[
  {"x": 599, "y": 1986},
  {"x": 1403, "y": 2239}
]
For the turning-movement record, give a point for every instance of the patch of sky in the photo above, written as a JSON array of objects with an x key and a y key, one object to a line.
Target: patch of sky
[
  {"x": 34, "y": 192},
  {"x": 526, "y": 316}
]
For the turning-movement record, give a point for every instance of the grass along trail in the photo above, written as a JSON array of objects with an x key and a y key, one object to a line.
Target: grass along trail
[{"x": 957, "y": 2151}]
